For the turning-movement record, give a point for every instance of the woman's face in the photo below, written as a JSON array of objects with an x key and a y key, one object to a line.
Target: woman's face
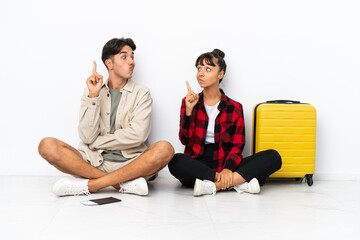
[{"x": 208, "y": 75}]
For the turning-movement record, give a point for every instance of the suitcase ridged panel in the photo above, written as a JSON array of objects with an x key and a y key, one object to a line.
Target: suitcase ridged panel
[{"x": 291, "y": 130}]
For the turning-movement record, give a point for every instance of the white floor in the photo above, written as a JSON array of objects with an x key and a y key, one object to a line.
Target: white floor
[{"x": 283, "y": 210}]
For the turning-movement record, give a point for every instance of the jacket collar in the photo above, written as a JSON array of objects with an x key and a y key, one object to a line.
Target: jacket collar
[
  {"x": 129, "y": 86},
  {"x": 223, "y": 100}
]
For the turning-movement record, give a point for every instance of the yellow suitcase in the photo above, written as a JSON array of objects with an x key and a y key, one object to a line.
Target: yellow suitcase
[{"x": 290, "y": 128}]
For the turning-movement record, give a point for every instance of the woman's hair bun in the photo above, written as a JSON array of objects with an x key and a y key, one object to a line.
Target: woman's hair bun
[{"x": 219, "y": 52}]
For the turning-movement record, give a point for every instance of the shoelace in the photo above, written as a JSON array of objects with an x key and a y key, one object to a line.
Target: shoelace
[
  {"x": 86, "y": 192},
  {"x": 237, "y": 189},
  {"x": 74, "y": 190},
  {"x": 211, "y": 188},
  {"x": 129, "y": 186}
]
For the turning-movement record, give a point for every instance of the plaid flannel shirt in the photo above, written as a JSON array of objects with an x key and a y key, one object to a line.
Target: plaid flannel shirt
[{"x": 229, "y": 133}]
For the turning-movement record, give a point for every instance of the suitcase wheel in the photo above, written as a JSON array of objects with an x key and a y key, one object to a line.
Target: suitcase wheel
[{"x": 309, "y": 179}]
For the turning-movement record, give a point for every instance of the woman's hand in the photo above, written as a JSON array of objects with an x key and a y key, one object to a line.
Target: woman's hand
[
  {"x": 225, "y": 177},
  {"x": 190, "y": 100}
]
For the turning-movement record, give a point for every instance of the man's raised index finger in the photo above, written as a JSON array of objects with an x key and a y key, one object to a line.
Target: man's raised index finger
[{"x": 188, "y": 87}]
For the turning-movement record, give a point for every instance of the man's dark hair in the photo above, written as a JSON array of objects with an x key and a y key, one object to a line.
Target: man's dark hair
[
  {"x": 114, "y": 46},
  {"x": 208, "y": 59}
]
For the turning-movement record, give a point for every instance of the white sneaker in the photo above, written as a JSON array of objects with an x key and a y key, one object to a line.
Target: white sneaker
[
  {"x": 137, "y": 186},
  {"x": 249, "y": 187},
  {"x": 71, "y": 186},
  {"x": 204, "y": 187}
]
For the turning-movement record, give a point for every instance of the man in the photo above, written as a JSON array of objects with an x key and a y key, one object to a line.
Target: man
[{"x": 114, "y": 128}]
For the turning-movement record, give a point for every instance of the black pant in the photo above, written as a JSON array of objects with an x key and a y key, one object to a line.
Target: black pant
[{"x": 187, "y": 169}]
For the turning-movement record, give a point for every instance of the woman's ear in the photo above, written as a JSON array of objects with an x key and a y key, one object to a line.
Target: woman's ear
[
  {"x": 221, "y": 75},
  {"x": 109, "y": 64}
]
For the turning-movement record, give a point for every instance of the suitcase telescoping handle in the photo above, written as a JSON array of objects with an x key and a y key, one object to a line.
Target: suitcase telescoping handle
[{"x": 282, "y": 101}]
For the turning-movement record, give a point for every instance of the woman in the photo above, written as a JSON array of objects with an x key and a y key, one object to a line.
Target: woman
[{"x": 212, "y": 130}]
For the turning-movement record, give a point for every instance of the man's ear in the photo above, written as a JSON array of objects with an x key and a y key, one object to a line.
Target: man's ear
[{"x": 109, "y": 64}]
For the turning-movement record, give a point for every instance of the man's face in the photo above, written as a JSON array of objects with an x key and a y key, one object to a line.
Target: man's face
[{"x": 123, "y": 63}]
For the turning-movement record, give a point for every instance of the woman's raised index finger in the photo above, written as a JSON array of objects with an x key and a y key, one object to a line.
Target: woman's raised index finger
[
  {"x": 188, "y": 87},
  {"x": 94, "y": 68}
]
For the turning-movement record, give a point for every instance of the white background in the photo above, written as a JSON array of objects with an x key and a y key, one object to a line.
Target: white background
[{"x": 300, "y": 50}]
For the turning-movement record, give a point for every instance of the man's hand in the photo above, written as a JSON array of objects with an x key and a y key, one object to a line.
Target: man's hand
[
  {"x": 225, "y": 177},
  {"x": 190, "y": 100},
  {"x": 94, "y": 83}
]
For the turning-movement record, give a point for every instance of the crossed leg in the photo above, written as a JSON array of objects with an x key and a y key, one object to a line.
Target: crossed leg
[{"x": 69, "y": 160}]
